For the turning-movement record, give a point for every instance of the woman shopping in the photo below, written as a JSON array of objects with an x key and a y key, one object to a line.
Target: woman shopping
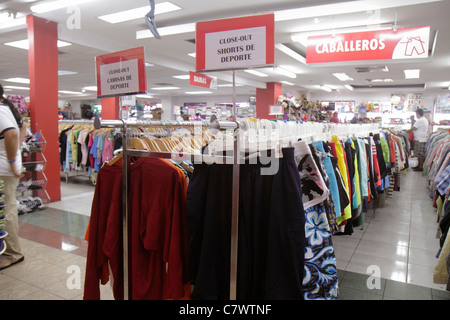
[{"x": 12, "y": 133}]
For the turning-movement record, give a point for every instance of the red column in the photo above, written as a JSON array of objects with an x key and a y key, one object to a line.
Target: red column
[
  {"x": 43, "y": 74},
  {"x": 110, "y": 108},
  {"x": 267, "y": 97}
]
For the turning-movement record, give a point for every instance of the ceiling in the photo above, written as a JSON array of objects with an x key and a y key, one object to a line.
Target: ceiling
[{"x": 169, "y": 57}]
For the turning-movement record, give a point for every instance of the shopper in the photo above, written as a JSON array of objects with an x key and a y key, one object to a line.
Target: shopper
[
  {"x": 180, "y": 117},
  {"x": 420, "y": 129},
  {"x": 334, "y": 118},
  {"x": 12, "y": 133}
]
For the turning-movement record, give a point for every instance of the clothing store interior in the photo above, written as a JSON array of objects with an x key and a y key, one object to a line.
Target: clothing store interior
[{"x": 238, "y": 150}]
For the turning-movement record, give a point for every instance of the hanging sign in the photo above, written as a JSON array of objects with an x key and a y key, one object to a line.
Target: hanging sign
[
  {"x": 404, "y": 43},
  {"x": 121, "y": 73},
  {"x": 236, "y": 43},
  {"x": 201, "y": 80},
  {"x": 276, "y": 110}
]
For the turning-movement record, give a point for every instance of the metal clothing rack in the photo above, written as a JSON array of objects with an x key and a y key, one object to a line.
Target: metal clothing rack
[{"x": 124, "y": 126}]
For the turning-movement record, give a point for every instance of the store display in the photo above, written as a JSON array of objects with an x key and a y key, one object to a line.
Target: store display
[
  {"x": 31, "y": 189},
  {"x": 437, "y": 171},
  {"x": 83, "y": 150}
]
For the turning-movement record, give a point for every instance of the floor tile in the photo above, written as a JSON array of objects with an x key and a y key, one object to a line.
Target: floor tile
[
  {"x": 355, "y": 294},
  {"x": 423, "y": 257},
  {"x": 422, "y": 276},
  {"x": 383, "y": 250},
  {"x": 406, "y": 291},
  {"x": 389, "y": 268},
  {"x": 440, "y": 294}
]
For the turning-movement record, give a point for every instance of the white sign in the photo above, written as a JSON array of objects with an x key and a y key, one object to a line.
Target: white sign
[
  {"x": 128, "y": 100},
  {"x": 119, "y": 77},
  {"x": 235, "y": 48}
]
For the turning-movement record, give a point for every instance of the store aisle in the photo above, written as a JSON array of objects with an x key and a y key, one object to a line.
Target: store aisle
[{"x": 400, "y": 239}]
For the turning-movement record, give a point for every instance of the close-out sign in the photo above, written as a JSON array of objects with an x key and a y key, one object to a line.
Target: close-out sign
[
  {"x": 121, "y": 73},
  {"x": 403, "y": 43},
  {"x": 236, "y": 43}
]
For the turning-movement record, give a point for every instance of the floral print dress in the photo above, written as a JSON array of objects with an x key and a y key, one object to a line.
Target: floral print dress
[{"x": 320, "y": 272}]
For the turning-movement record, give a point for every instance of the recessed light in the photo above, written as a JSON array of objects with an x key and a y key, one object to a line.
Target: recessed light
[
  {"x": 16, "y": 87},
  {"x": 65, "y": 73},
  {"x": 198, "y": 92},
  {"x": 166, "y": 31},
  {"x": 412, "y": 74},
  {"x": 18, "y": 80},
  {"x": 90, "y": 88},
  {"x": 342, "y": 76},
  {"x": 325, "y": 88},
  {"x": 257, "y": 73},
  {"x": 9, "y": 22},
  {"x": 165, "y": 88},
  {"x": 182, "y": 77},
  {"x": 285, "y": 72},
  {"x": 24, "y": 44},
  {"x": 139, "y": 13},
  {"x": 55, "y": 5},
  {"x": 349, "y": 87},
  {"x": 69, "y": 92},
  {"x": 290, "y": 52}
]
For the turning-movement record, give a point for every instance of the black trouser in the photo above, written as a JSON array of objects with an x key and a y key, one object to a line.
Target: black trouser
[{"x": 271, "y": 236}]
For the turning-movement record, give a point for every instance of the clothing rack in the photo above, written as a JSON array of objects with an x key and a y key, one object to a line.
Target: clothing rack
[{"x": 125, "y": 127}]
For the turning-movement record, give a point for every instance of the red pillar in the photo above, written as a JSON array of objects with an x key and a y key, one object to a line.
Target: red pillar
[
  {"x": 43, "y": 74},
  {"x": 267, "y": 97},
  {"x": 110, "y": 108}
]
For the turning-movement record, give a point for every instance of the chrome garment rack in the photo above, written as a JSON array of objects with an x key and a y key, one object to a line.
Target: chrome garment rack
[{"x": 124, "y": 126}]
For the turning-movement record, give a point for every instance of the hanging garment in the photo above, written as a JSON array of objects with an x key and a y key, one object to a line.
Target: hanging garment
[
  {"x": 339, "y": 154},
  {"x": 313, "y": 185},
  {"x": 158, "y": 244},
  {"x": 271, "y": 241},
  {"x": 320, "y": 281}
]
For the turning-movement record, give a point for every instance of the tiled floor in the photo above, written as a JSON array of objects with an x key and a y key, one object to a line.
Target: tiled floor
[{"x": 399, "y": 239}]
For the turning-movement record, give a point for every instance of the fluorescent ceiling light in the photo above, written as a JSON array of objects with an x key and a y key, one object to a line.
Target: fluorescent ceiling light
[
  {"x": 90, "y": 88},
  {"x": 24, "y": 44},
  {"x": 165, "y": 88},
  {"x": 193, "y": 54},
  {"x": 342, "y": 76},
  {"x": 55, "y": 5},
  {"x": 343, "y": 8},
  {"x": 182, "y": 77},
  {"x": 145, "y": 96},
  {"x": 287, "y": 83},
  {"x": 9, "y": 21},
  {"x": 257, "y": 73},
  {"x": 148, "y": 64},
  {"x": 290, "y": 52},
  {"x": 412, "y": 74},
  {"x": 65, "y": 73},
  {"x": 198, "y": 92},
  {"x": 15, "y": 87},
  {"x": 69, "y": 92},
  {"x": 349, "y": 87},
  {"x": 139, "y": 13},
  {"x": 380, "y": 80},
  {"x": 325, "y": 88},
  {"x": 227, "y": 85},
  {"x": 285, "y": 72},
  {"x": 167, "y": 31},
  {"x": 18, "y": 80}
]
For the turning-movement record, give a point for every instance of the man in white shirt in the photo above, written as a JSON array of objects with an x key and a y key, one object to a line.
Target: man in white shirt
[{"x": 420, "y": 129}]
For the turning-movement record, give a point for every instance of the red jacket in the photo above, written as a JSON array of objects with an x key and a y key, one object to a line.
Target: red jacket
[{"x": 158, "y": 237}]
